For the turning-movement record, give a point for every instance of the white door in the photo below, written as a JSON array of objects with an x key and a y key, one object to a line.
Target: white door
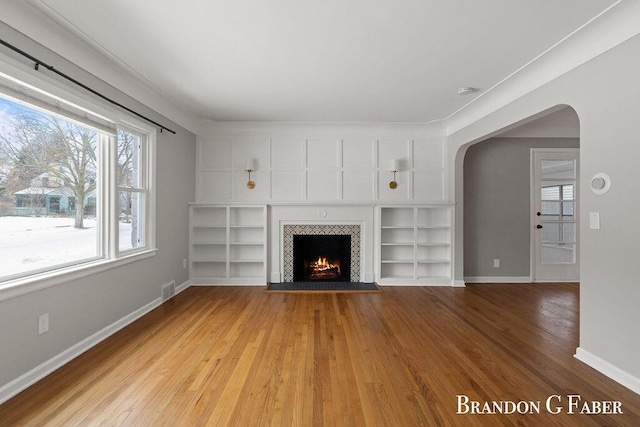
[{"x": 555, "y": 215}]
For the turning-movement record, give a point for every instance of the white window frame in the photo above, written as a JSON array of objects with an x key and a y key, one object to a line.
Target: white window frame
[
  {"x": 109, "y": 256},
  {"x": 146, "y": 187}
]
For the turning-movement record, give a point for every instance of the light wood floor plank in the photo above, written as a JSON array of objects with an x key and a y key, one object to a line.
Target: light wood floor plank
[{"x": 239, "y": 356}]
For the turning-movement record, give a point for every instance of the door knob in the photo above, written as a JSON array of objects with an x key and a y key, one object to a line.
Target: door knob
[
  {"x": 538, "y": 213},
  {"x": 538, "y": 226}
]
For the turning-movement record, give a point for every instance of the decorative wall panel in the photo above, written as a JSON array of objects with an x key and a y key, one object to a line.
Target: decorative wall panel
[
  {"x": 322, "y": 185},
  {"x": 322, "y": 154},
  {"x": 321, "y": 163}
]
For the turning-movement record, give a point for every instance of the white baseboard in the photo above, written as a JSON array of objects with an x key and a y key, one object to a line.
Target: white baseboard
[
  {"x": 235, "y": 282},
  {"x": 14, "y": 387},
  {"x": 183, "y": 286},
  {"x": 613, "y": 372},
  {"x": 499, "y": 279}
]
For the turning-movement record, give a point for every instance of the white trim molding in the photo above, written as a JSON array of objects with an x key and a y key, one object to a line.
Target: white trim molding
[
  {"x": 459, "y": 284},
  {"x": 19, "y": 384},
  {"x": 498, "y": 279},
  {"x": 613, "y": 26},
  {"x": 606, "y": 368},
  {"x": 29, "y": 284},
  {"x": 183, "y": 286}
]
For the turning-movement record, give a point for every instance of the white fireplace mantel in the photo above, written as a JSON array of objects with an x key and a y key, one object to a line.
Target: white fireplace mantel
[{"x": 321, "y": 214}]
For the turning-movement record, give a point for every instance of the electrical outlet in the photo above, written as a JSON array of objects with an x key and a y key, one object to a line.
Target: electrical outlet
[
  {"x": 43, "y": 323},
  {"x": 496, "y": 263},
  {"x": 184, "y": 263}
]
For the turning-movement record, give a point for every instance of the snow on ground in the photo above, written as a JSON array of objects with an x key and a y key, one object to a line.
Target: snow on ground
[
  {"x": 33, "y": 243},
  {"x": 13, "y": 227}
]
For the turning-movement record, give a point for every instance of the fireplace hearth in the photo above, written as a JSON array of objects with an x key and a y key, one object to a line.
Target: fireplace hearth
[{"x": 321, "y": 257}]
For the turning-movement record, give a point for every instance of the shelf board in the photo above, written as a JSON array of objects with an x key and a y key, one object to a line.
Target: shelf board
[
  {"x": 209, "y": 260},
  {"x": 397, "y": 227},
  {"x": 433, "y": 244},
  {"x": 248, "y": 260},
  {"x": 434, "y": 261},
  {"x": 434, "y": 227},
  {"x": 397, "y": 243},
  {"x": 397, "y": 261},
  {"x": 246, "y": 226},
  {"x": 209, "y": 243},
  {"x": 256, "y": 243}
]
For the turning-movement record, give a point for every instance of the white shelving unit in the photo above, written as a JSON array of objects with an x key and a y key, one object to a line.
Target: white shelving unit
[
  {"x": 415, "y": 244},
  {"x": 228, "y": 244}
]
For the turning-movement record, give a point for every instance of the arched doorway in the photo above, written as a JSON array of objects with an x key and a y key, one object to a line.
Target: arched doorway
[{"x": 502, "y": 192}]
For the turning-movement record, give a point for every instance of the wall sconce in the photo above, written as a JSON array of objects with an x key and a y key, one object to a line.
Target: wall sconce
[
  {"x": 395, "y": 167},
  {"x": 249, "y": 167}
]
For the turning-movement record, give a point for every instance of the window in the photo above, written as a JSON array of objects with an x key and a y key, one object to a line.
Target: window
[
  {"x": 132, "y": 191},
  {"x": 65, "y": 183}
]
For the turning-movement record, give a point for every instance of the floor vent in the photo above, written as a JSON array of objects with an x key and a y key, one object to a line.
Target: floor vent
[{"x": 168, "y": 291}]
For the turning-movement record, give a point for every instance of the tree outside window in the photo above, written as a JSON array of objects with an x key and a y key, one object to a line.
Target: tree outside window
[{"x": 49, "y": 169}]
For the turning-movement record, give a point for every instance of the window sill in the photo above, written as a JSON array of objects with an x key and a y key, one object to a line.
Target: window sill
[{"x": 26, "y": 285}]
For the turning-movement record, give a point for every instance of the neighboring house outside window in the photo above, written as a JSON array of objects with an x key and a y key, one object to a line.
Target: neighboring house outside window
[{"x": 64, "y": 184}]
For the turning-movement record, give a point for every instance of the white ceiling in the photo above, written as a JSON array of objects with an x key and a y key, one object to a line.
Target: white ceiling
[{"x": 322, "y": 60}]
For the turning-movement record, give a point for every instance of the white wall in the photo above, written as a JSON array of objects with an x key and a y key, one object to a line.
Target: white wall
[
  {"x": 81, "y": 308},
  {"x": 604, "y": 92},
  {"x": 321, "y": 162},
  {"x": 340, "y": 169}
]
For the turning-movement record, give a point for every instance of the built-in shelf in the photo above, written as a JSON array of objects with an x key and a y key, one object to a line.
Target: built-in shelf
[
  {"x": 228, "y": 244},
  {"x": 415, "y": 244}
]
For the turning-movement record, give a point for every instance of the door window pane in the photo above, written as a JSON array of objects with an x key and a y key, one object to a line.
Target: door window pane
[
  {"x": 558, "y": 169},
  {"x": 558, "y": 253},
  {"x": 551, "y": 210},
  {"x": 551, "y": 192},
  {"x": 567, "y": 211},
  {"x": 567, "y": 192},
  {"x": 558, "y": 232}
]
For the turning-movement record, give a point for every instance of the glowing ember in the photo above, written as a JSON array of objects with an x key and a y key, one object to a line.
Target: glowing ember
[{"x": 323, "y": 269}]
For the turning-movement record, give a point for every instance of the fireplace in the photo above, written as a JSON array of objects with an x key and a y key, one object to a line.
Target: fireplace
[
  {"x": 352, "y": 269},
  {"x": 322, "y": 257}
]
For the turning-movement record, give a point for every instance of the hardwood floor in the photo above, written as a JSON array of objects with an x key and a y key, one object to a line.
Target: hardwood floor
[{"x": 239, "y": 356}]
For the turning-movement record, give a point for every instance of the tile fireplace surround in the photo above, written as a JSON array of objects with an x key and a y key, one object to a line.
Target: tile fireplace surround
[
  {"x": 289, "y": 230},
  {"x": 356, "y": 220}
]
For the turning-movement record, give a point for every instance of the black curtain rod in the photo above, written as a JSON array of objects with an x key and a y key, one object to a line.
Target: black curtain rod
[{"x": 82, "y": 85}]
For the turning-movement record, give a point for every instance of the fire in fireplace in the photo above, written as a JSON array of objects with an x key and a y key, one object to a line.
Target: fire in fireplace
[
  {"x": 321, "y": 257},
  {"x": 321, "y": 269}
]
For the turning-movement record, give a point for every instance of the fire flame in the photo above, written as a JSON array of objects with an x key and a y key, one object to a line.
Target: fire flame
[{"x": 323, "y": 265}]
